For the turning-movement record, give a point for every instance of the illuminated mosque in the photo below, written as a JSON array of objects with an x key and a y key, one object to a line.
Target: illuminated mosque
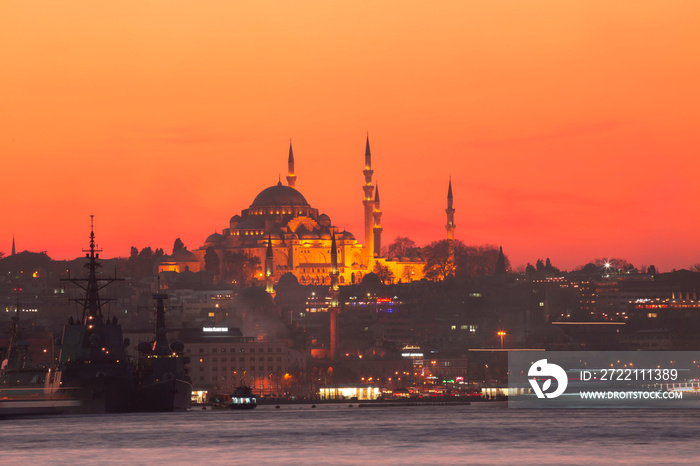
[{"x": 290, "y": 236}]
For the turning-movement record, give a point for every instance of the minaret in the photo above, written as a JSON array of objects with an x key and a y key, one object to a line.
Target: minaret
[
  {"x": 291, "y": 177},
  {"x": 377, "y": 225},
  {"x": 335, "y": 299},
  {"x": 13, "y": 245},
  {"x": 335, "y": 293},
  {"x": 268, "y": 267},
  {"x": 369, "y": 205},
  {"x": 501, "y": 262},
  {"x": 450, "y": 227}
]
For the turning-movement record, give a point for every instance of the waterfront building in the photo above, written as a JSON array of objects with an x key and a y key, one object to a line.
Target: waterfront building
[
  {"x": 221, "y": 358},
  {"x": 349, "y": 393}
]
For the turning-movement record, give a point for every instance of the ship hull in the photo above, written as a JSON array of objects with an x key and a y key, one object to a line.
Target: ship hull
[
  {"x": 163, "y": 396},
  {"x": 36, "y": 407},
  {"x": 100, "y": 395},
  {"x": 95, "y": 394},
  {"x": 21, "y": 401}
]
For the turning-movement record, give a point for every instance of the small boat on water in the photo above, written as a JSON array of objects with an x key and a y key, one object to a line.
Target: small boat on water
[{"x": 241, "y": 398}]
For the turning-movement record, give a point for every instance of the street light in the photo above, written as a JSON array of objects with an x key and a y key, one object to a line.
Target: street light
[
  {"x": 501, "y": 334},
  {"x": 607, "y": 266}
]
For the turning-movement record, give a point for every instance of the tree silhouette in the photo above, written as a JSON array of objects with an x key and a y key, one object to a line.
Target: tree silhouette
[
  {"x": 212, "y": 263},
  {"x": 384, "y": 273},
  {"x": 590, "y": 268},
  {"x": 548, "y": 267},
  {"x": 239, "y": 267},
  {"x": 444, "y": 258},
  {"x": 178, "y": 245},
  {"x": 613, "y": 265},
  {"x": 142, "y": 263},
  {"x": 477, "y": 261},
  {"x": 402, "y": 246},
  {"x": 439, "y": 262},
  {"x": 407, "y": 273}
]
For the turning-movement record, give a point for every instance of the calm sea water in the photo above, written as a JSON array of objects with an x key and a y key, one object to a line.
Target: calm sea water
[{"x": 337, "y": 434}]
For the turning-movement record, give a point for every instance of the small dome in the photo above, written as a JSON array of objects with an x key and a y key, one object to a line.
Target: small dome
[
  {"x": 276, "y": 232},
  {"x": 288, "y": 280},
  {"x": 164, "y": 258},
  {"x": 214, "y": 238},
  {"x": 371, "y": 280},
  {"x": 254, "y": 297},
  {"x": 278, "y": 196},
  {"x": 183, "y": 255},
  {"x": 324, "y": 220},
  {"x": 347, "y": 235},
  {"x": 235, "y": 219}
]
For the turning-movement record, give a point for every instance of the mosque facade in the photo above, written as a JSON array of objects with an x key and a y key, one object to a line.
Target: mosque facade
[{"x": 291, "y": 236}]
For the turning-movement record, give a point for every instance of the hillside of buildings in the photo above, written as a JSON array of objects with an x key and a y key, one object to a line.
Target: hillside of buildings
[{"x": 393, "y": 333}]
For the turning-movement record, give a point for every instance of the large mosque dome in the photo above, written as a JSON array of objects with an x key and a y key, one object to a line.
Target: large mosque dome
[
  {"x": 286, "y": 234},
  {"x": 279, "y": 195}
]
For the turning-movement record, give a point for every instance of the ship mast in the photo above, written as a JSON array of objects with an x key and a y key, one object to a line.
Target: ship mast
[
  {"x": 160, "y": 345},
  {"x": 92, "y": 302}
]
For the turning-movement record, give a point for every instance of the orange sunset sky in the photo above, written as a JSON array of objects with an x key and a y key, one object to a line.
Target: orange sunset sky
[{"x": 570, "y": 128}]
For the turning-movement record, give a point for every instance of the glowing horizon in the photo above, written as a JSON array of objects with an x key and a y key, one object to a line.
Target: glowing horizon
[{"x": 569, "y": 129}]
